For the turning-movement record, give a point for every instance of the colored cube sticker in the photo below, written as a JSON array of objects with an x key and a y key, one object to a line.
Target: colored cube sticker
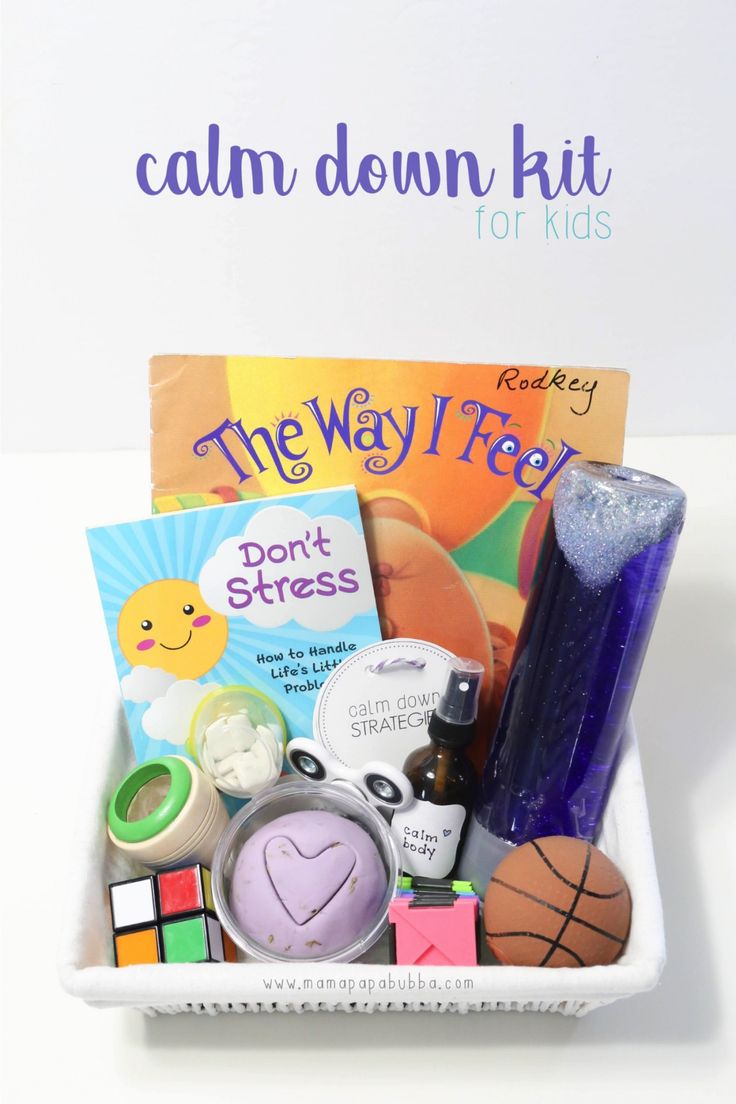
[
  {"x": 209, "y": 901},
  {"x": 185, "y": 890},
  {"x": 195, "y": 939},
  {"x": 214, "y": 935},
  {"x": 133, "y": 903},
  {"x": 137, "y": 948},
  {"x": 231, "y": 951}
]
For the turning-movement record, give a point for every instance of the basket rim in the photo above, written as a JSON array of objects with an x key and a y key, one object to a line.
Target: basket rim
[{"x": 253, "y": 984}]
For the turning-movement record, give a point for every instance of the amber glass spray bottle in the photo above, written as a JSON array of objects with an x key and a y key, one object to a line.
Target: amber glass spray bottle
[{"x": 430, "y": 831}]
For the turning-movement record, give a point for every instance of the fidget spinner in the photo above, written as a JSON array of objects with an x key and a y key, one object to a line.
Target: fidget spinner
[{"x": 379, "y": 783}]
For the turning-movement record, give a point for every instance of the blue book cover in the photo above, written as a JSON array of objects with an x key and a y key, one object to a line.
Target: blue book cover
[{"x": 269, "y": 594}]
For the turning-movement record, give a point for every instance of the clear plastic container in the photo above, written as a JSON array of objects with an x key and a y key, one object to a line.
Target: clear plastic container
[
  {"x": 292, "y": 797},
  {"x": 226, "y": 702}
]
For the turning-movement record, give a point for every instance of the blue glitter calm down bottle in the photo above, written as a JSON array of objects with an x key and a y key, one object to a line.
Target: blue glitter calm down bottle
[{"x": 606, "y": 557}]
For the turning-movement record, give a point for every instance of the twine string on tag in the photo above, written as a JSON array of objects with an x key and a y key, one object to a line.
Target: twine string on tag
[{"x": 395, "y": 664}]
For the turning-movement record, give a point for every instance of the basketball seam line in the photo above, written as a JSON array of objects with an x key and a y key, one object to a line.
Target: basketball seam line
[
  {"x": 568, "y": 883},
  {"x": 535, "y": 935},
  {"x": 573, "y": 906},
  {"x": 559, "y": 911}
]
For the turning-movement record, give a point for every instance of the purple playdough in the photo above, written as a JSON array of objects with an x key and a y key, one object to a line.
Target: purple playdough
[{"x": 307, "y": 884}]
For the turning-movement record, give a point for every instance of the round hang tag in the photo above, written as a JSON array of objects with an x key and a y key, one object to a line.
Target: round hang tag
[{"x": 377, "y": 703}]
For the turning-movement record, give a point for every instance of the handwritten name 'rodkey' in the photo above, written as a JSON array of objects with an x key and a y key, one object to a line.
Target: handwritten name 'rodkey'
[{"x": 386, "y": 437}]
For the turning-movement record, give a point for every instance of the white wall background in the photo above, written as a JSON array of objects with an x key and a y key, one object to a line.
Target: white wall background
[{"x": 98, "y": 276}]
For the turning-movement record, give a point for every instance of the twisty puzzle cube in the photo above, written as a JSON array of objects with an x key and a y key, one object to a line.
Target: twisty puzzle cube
[
  {"x": 434, "y": 932},
  {"x": 168, "y": 917}
]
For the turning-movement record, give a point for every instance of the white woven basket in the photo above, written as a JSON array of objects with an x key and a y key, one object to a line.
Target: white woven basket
[{"x": 368, "y": 986}]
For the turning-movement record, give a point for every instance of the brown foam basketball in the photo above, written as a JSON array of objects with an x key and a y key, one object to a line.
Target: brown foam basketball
[{"x": 557, "y": 901}]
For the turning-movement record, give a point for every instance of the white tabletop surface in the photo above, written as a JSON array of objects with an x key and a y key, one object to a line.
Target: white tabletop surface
[{"x": 675, "y": 1044}]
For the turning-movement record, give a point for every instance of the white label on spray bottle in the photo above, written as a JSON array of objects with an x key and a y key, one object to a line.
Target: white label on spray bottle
[{"x": 428, "y": 836}]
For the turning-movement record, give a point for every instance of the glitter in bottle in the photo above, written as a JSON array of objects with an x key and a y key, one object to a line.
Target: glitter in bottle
[{"x": 607, "y": 554}]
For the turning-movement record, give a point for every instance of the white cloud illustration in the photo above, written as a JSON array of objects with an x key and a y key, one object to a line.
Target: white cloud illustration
[
  {"x": 170, "y": 717},
  {"x": 145, "y": 684},
  {"x": 289, "y": 566}
]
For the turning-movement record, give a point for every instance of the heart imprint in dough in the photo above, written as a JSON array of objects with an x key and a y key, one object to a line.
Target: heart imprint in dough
[{"x": 305, "y": 885}]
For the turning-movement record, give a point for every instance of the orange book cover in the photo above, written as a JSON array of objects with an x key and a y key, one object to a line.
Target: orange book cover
[{"x": 455, "y": 467}]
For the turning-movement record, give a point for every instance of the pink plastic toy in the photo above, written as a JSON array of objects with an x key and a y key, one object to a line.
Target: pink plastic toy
[{"x": 434, "y": 935}]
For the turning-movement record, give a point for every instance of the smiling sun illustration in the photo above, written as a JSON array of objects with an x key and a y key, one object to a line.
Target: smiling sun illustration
[{"x": 168, "y": 624}]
